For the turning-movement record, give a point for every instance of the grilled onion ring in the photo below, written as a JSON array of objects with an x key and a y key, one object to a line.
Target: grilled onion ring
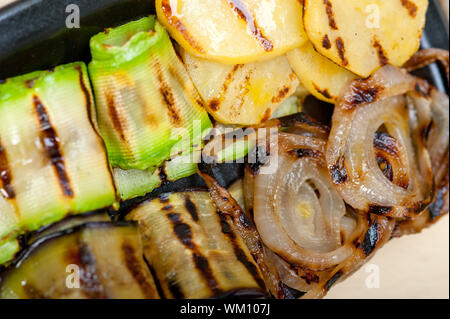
[{"x": 366, "y": 106}]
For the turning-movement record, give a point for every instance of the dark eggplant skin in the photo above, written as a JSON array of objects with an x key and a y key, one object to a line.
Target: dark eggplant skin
[
  {"x": 104, "y": 259},
  {"x": 193, "y": 250}
]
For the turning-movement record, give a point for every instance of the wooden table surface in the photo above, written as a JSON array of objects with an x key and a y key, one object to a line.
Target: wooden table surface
[{"x": 415, "y": 266}]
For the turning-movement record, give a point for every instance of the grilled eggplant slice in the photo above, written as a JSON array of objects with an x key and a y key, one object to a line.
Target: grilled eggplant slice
[
  {"x": 52, "y": 161},
  {"x": 234, "y": 31},
  {"x": 242, "y": 94},
  {"x": 146, "y": 103},
  {"x": 92, "y": 261},
  {"x": 194, "y": 251},
  {"x": 321, "y": 76},
  {"x": 389, "y": 32}
]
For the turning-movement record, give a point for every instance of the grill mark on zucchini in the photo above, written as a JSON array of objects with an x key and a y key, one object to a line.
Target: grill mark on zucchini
[
  {"x": 115, "y": 116},
  {"x": 252, "y": 24},
  {"x": 411, "y": 7},
  {"x": 184, "y": 234},
  {"x": 382, "y": 57},
  {"x": 167, "y": 10},
  {"x": 51, "y": 143},
  {"x": 89, "y": 281},
  {"x": 240, "y": 254},
  {"x": 168, "y": 97},
  {"x": 330, "y": 14},
  {"x": 341, "y": 50},
  {"x": 7, "y": 190},
  {"x": 134, "y": 266}
]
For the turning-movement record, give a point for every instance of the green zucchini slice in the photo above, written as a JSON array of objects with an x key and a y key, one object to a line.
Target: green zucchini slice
[
  {"x": 52, "y": 161},
  {"x": 146, "y": 102}
]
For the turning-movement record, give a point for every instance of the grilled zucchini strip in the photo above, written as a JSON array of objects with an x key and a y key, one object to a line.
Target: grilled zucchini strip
[
  {"x": 95, "y": 260},
  {"x": 146, "y": 103},
  {"x": 52, "y": 161},
  {"x": 193, "y": 250}
]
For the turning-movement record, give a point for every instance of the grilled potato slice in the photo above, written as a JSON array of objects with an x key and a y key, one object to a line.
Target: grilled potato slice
[
  {"x": 322, "y": 77},
  {"x": 234, "y": 31},
  {"x": 243, "y": 94},
  {"x": 362, "y": 35}
]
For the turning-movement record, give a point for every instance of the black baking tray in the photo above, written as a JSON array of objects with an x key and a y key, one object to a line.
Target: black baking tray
[{"x": 34, "y": 36}]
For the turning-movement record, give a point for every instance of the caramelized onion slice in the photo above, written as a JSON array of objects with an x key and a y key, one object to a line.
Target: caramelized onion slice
[
  {"x": 297, "y": 211},
  {"x": 365, "y": 107}
]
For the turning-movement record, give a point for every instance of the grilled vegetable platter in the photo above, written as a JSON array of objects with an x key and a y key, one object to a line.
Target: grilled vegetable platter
[{"x": 223, "y": 149}]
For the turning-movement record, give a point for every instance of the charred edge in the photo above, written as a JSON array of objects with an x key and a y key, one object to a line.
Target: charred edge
[
  {"x": 85, "y": 90},
  {"x": 191, "y": 208},
  {"x": 411, "y": 7},
  {"x": 382, "y": 58},
  {"x": 301, "y": 118},
  {"x": 240, "y": 254},
  {"x": 362, "y": 94},
  {"x": 175, "y": 288},
  {"x": 370, "y": 240},
  {"x": 158, "y": 285},
  {"x": 425, "y": 131},
  {"x": 379, "y": 210},
  {"x": 252, "y": 24},
  {"x": 339, "y": 172},
  {"x": 168, "y": 98},
  {"x": 245, "y": 222},
  {"x": 330, "y": 283},
  {"x": 32, "y": 292},
  {"x": 261, "y": 157},
  {"x": 184, "y": 234},
  {"x": 90, "y": 283},
  {"x": 386, "y": 142},
  {"x": 303, "y": 152},
  {"x": 51, "y": 144},
  {"x": 435, "y": 210},
  {"x": 341, "y": 50},
  {"x": 136, "y": 270},
  {"x": 324, "y": 93},
  {"x": 385, "y": 167},
  {"x": 282, "y": 93},
  {"x": 330, "y": 14},
  {"x": 163, "y": 176},
  {"x": 114, "y": 115},
  {"x": 167, "y": 10},
  {"x": 289, "y": 293},
  {"x": 214, "y": 105},
  {"x": 5, "y": 175},
  {"x": 167, "y": 207}
]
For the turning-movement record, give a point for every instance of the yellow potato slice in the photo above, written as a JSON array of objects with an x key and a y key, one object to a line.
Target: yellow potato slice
[
  {"x": 244, "y": 94},
  {"x": 234, "y": 31},
  {"x": 322, "y": 77},
  {"x": 362, "y": 35}
]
